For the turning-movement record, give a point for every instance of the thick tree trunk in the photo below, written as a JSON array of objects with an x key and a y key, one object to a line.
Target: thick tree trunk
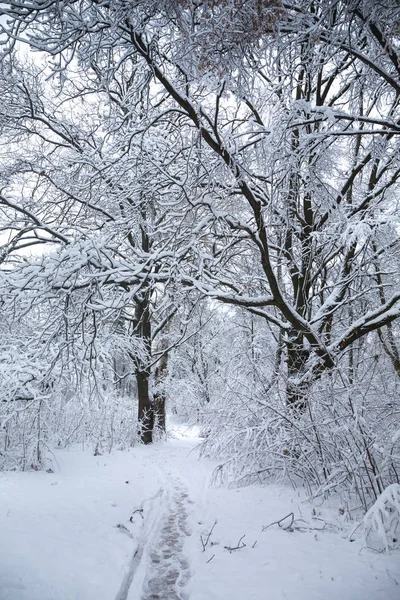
[{"x": 142, "y": 370}]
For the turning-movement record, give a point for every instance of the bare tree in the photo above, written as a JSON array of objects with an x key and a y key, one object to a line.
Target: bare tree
[{"x": 270, "y": 130}]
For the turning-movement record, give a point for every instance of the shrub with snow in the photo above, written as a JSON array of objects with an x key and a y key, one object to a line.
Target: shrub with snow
[{"x": 382, "y": 521}]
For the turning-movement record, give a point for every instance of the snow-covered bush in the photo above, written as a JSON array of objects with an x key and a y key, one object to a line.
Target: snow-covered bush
[
  {"x": 62, "y": 382},
  {"x": 382, "y": 521},
  {"x": 331, "y": 449},
  {"x": 343, "y": 444}
]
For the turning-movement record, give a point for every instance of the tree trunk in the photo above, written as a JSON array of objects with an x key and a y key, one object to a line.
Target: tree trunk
[
  {"x": 142, "y": 370},
  {"x": 159, "y": 395},
  {"x": 297, "y": 355},
  {"x": 145, "y": 408},
  {"x": 159, "y": 410}
]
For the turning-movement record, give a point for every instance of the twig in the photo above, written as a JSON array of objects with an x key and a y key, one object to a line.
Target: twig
[
  {"x": 138, "y": 510},
  {"x": 307, "y": 527},
  {"x": 392, "y": 578},
  {"x": 239, "y": 546},
  {"x": 210, "y": 559},
  {"x": 301, "y": 524},
  {"x": 207, "y": 539},
  {"x": 327, "y": 524},
  {"x": 351, "y": 538},
  {"x": 125, "y": 530},
  {"x": 279, "y": 523}
]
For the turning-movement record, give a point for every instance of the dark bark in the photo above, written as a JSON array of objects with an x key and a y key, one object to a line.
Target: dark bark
[
  {"x": 142, "y": 370},
  {"x": 159, "y": 398},
  {"x": 143, "y": 331},
  {"x": 297, "y": 356},
  {"x": 145, "y": 408}
]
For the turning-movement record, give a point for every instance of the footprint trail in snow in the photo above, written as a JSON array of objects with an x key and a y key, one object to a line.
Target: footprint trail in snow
[{"x": 169, "y": 569}]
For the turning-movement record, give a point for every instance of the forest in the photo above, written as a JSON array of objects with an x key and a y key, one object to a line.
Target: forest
[{"x": 199, "y": 217}]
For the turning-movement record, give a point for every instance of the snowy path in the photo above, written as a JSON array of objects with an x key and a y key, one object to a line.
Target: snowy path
[
  {"x": 158, "y": 564},
  {"x": 130, "y": 525},
  {"x": 159, "y": 569},
  {"x": 169, "y": 569}
]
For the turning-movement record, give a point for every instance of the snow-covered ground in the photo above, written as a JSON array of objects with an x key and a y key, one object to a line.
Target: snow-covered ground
[{"x": 135, "y": 526}]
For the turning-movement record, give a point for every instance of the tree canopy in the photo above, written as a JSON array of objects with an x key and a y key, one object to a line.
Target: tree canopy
[{"x": 166, "y": 160}]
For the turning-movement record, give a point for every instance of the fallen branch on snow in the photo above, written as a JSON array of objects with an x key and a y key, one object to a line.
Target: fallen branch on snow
[
  {"x": 239, "y": 546},
  {"x": 289, "y": 523},
  {"x": 210, "y": 559},
  {"x": 138, "y": 510},
  {"x": 286, "y": 527},
  {"x": 125, "y": 530}
]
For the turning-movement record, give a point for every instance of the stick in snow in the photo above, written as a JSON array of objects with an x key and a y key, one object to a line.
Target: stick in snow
[
  {"x": 207, "y": 539},
  {"x": 138, "y": 510},
  {"x": 210, "y": 559},
  {"x": 239, "y": 546},
  {"x": 125, "y": 530}
]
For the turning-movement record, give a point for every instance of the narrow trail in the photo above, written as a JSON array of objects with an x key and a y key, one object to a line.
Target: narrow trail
[
  {"x": 136, "y": 565},
  {"x": 168, "y": 571},
  {"x": 159, "y": 567}
]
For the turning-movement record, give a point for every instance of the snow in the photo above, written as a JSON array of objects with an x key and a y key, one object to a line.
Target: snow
[
  {"x": 58, "y": 530},
  {"x": 60, "y": 537}
]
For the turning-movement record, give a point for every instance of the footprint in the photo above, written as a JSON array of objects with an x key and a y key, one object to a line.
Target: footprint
[{"x": 155, "y": 558}]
